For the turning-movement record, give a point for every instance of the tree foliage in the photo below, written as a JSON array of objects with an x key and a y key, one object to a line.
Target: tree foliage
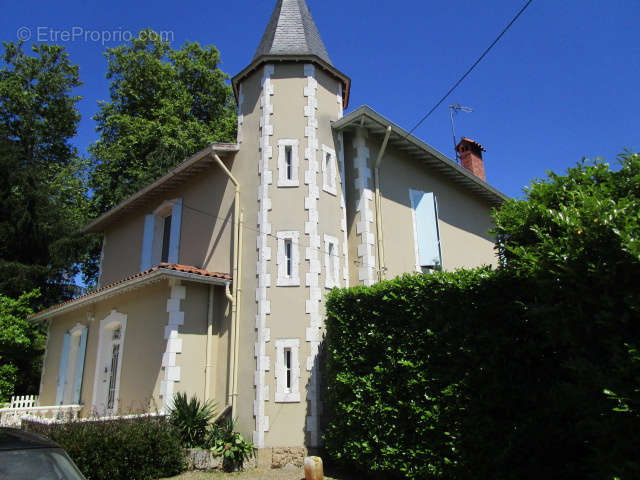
[
  {"x": 42, "y": 179},
  {"x": 21, "y": 347},
  {"x": 166, "y": 104},
  {"x": 528, "y": 371}
]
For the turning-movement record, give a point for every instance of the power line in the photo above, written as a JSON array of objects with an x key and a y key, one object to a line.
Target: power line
[
  {"x": 299, "y": 244},
  {"x": 471, "y": 68}
]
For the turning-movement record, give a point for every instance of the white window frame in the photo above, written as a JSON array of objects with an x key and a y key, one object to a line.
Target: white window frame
[
  {"x": 284, "y": 394},
  {"x": 153, "y": 236},
  {"x": 283, "y": 181},
  {"x": 285, "y": 280},
  {"x": 329, "y": 174},
  {"x": 412, "y": 195},
  {"x": 331, "y": 262},
  {"x": 112, "y": 322}
]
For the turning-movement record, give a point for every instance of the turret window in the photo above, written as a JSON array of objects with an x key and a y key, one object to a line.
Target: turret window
[
  {"x": 329, "y": 170},
  {"x": 288, "y": 259},
  {"x": 331, "y": 262},
  {"x": 288, "y": 163},
  {"x": 287, "y": 370}
]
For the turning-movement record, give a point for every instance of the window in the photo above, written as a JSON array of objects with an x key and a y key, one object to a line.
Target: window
[
  {"x": 329, "y": 170},
  {"x": 288, "y": 252},
  {"x": 115, "y": 355},
  {"x": 287, "y": 367},
  {"x": 287, "y": 370},
  {"x": 426, "y": 232},
  {"x": 161, "y": 237},
  {"x": 331, "y": 262},
  {"x": 288, "y": 163},
  {"x": 74, "y": 346},
  {"x": 106, "y": 386},
  {"x": 288, "y": 259},
  {"x": 166, "y": 237}
]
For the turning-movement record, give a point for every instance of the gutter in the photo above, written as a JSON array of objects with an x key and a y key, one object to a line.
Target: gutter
[
  {"x": 234, "y": 297},
  {"x": 376, "y": 175}
]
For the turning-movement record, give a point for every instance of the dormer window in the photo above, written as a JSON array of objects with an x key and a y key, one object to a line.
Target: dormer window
[{"x": 161, "y": 238}]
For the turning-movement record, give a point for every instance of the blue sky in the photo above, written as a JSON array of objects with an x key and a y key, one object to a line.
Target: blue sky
[{"x": 561, "y": 84}]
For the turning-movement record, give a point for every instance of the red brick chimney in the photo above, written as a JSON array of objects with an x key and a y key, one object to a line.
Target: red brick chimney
[{"x": 470, "y": 153}]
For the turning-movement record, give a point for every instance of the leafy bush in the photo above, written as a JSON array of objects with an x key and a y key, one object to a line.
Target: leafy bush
[
  {"x": 528, "y": 371},
  {"x": 225, "y": 442},
  {"x": 191, "y": 417},
  {"x": 142, "y": 448}
]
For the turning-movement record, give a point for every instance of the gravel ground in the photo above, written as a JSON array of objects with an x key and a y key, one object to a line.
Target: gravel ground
[{"x": 257, "y": 474}]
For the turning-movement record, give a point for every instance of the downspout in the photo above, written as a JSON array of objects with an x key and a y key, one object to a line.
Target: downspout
[
  {"x": 376, "y": 175},
  {"x": 236, "y": 348},
  {"x": 208, "y": 364},
  {"x": 233, "y": 298}
]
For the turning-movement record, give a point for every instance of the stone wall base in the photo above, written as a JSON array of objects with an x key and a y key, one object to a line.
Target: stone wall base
[{"x": 280, "y": 457}]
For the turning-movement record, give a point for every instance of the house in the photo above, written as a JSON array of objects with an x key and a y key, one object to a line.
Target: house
[{"x": 213, "y": 277}]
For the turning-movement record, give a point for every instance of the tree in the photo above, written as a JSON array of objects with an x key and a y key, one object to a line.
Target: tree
[
  {"x": 21, "y": 347},
  {"x": 166, "y": 104},
  {"x": 42, "y": 179}
]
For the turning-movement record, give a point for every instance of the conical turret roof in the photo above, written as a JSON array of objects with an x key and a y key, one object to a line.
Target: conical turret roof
[{"x": 292, "y": 31}]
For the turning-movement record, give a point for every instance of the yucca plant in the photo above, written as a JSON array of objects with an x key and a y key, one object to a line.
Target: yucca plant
[{"x": 191, "y": 417}]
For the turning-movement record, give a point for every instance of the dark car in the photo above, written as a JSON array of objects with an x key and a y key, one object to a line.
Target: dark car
[{"x": 27, "y": 456}]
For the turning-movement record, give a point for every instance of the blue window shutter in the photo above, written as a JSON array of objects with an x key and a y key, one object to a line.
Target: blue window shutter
[
  {"x": 62, "y": 370},
  {"x": 147, "y": 243},
  {"x": 427, "y": 230},
  {"x": 77, "y": 386},
  {"x": 174, "y": 241}
]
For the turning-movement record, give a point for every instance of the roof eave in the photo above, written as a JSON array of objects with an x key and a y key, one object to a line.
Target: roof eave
[
  {"x": 96, "y": 224},
  {"x": 357, "y": 117},
  {"x": 126, "y": 286},
  {"x": 257, "y": 62}
]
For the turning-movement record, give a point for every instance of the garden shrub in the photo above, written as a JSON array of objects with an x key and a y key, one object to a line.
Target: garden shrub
[
  {"x": 528, "y": 371},
  {"x": 142, "y": 448},
  {"x": 191, "y": 417}
]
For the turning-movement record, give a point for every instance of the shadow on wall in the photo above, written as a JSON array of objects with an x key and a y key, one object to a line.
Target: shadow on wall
[{"x": 315, "y": 421}]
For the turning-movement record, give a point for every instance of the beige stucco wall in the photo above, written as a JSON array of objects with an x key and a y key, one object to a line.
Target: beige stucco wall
[
  {"x": 122, "y": 248},
  {"x": 464, "y": 217},
  {"x": 192, "y": 360},
  {"x": 144, "y": 345},
  {"x": 206, "y": 228},
  {"x": 288, "y": 318}
]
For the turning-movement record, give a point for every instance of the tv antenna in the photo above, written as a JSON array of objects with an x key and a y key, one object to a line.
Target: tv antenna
[{"x": 455, "y": 109}]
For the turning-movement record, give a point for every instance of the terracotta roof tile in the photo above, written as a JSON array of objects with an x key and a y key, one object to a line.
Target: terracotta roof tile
[
  {"x": 463, "y": 139},
  {"x": 162, "y": 266}
]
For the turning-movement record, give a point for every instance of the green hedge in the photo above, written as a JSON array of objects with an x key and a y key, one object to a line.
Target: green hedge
[
  {"x": 486, "y": 374},
  {"x": 124, "y": 449}
]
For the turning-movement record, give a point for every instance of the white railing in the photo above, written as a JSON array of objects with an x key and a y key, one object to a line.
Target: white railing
[
  {"x": 25, "y": 401},
  {"x": 28, "y": 406}
]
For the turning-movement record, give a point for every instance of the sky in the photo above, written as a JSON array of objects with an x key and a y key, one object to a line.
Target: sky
[{"x": 562, "y": 84}]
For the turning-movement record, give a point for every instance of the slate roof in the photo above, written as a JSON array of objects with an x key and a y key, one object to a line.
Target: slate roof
[{"x": 292, "y": 31}]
